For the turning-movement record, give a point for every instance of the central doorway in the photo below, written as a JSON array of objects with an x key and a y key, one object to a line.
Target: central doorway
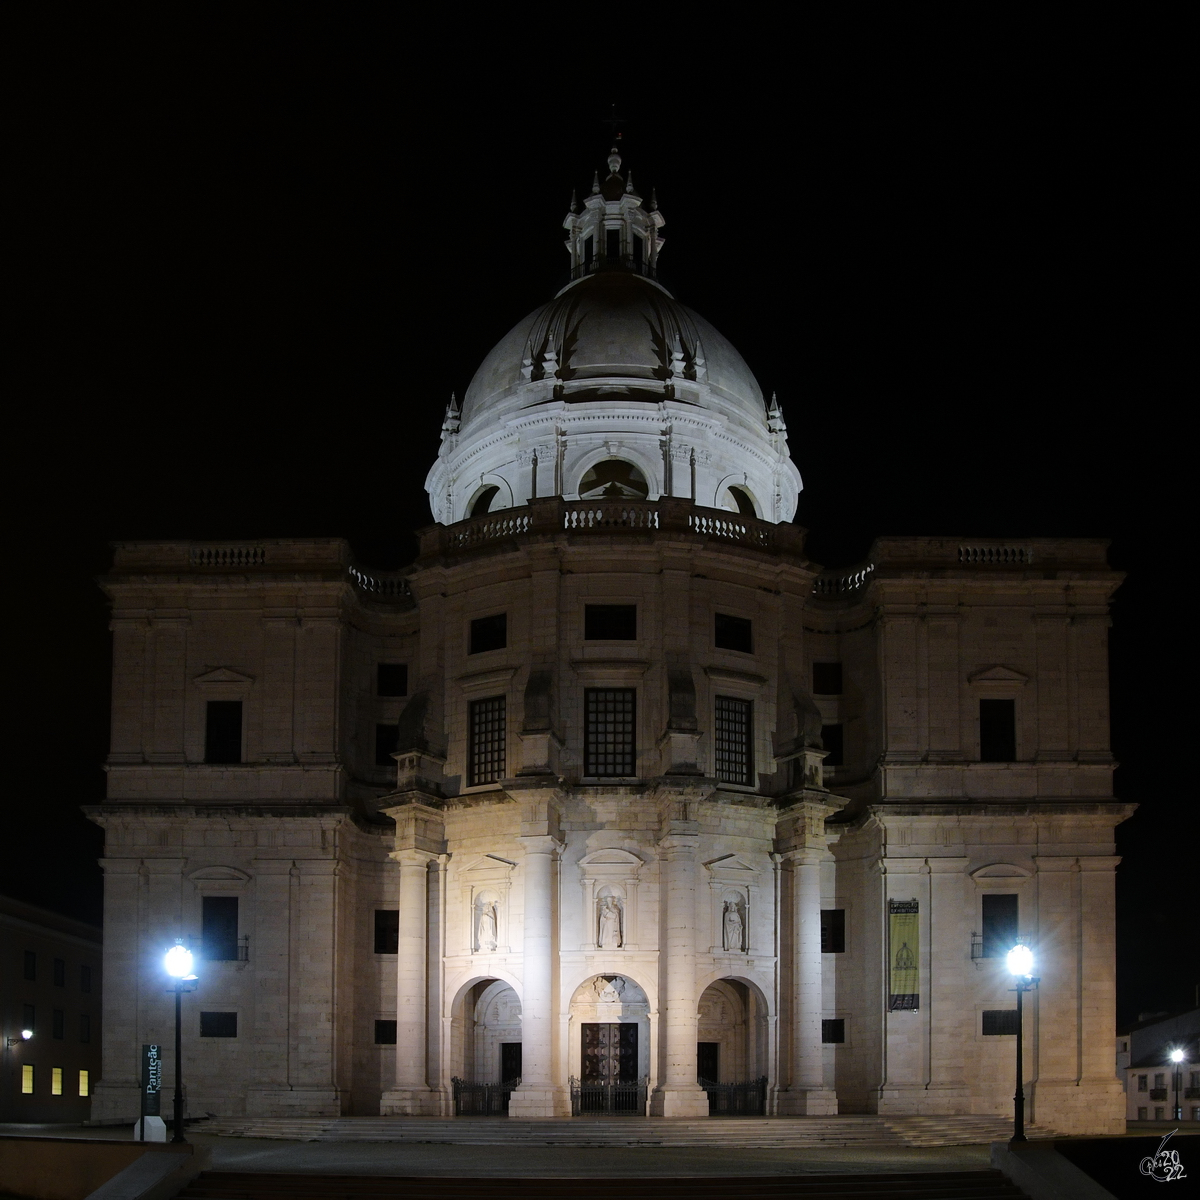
[{"x": 609, "y": 1053}]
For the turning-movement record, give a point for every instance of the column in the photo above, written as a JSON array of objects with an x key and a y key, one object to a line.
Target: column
[
  {"x": 950, "y": 1006},
  {"x": 411, "y": 1095},
  {"x": 539, "y": 1095},
  {"x": 807, "y": 1094},
  {"x": 678, "y": 1094}
]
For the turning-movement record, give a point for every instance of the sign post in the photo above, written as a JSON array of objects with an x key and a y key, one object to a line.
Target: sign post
[{"x": 151, "y": 1086}]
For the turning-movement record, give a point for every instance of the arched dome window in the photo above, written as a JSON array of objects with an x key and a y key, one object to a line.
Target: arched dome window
[
  {"x": 741, "y": 498},
  {"x": 613, "y": 479},
  {"x": 483, "y": 502}
]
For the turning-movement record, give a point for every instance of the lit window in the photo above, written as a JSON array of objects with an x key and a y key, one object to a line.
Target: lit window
[
  {"x": 733, "y": 741},
  {"x": 27, "y": 1079},
  {"x": 485, "y": 757},
  {"x": 84, "y": 1087},
  {"x": 56, "y": 1081},
  {"x": 610, "y": 722}
]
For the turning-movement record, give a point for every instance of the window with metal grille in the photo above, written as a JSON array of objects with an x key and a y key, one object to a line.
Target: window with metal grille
[
  {"x": 609, "y": 745},
  {"x": 833, "y": 1030},
  {"x": 735, "y": 723},
  {"x": 485, "y": 751},
  {"x": 998, "y": 1021}
]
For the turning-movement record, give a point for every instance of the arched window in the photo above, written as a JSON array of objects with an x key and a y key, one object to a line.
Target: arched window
[
  {"x": 483, "y": 502},
  {"x": 613, "y": 479},
  {"x": 741, "y": 498}
]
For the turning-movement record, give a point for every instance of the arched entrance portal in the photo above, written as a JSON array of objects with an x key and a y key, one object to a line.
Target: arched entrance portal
[
  {"x": 609, "y": 1046},
  {"x": 732, "y": 1051},
  {"x": 485, "y": 1034}
]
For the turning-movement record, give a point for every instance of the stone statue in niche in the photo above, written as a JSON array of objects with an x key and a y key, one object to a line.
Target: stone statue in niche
[
  {"x": 610, "y": 924},
  {"x": 732, "y": 927},
  {"x": 485, "y": 936}
]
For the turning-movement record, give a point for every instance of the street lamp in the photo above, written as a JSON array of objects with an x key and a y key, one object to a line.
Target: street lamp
[
  {"x": 26, "y": 1034},
  {"x": 1176, "y": 1056},
  {"x": 178, "y": 963},
  {"x": 1020, "y": 966}
]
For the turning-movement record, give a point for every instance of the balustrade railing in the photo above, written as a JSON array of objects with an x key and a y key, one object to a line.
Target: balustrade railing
[
  {"x": 746, "y": 1099},
  {"x": 472, "y": 1099},
  {"x": 590, "y": 1098},
  {"x": 844, "y": 583},
  {"x": 385, "y": 587},
  {"x": 227, "y": 556},
  {"x": 617, "y": 262},
  {"x": 1002, "y": 556},
  {"x": 611, "y": 515}
]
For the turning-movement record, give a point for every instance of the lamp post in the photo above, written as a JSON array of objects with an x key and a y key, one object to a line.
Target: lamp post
[
  {"x": 1020, "y": 966},
  {"x": 26, "y": 1034},
  {"x": 178, "y": 963},
  {"x": 1176, "y": 1056}
]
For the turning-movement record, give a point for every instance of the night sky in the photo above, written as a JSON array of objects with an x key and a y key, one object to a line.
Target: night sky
[{"x": 253, "y": 263}]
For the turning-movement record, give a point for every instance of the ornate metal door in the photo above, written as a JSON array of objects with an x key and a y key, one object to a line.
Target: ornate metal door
[{"x": 610, "y": 1053}]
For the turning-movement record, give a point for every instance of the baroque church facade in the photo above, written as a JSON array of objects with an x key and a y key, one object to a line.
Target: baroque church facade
[{"x": 613, "y": 785}]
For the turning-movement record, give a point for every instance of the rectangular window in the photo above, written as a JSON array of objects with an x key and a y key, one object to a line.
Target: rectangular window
[
  {"x": 387, "y": 931},
  {"x": 58, "y": 1024},
  {"x": 1194, "y": 1079},
  {"x": 1142, "y": 1081},
  {"x": 85, "y": 978},
  {"x": 610, "y": 622},
  {"x": 827, "y": 679},
  {"x": 223, "y": 731},
  {"x": 85, "y": 1083},
  {"x": 1160, "y": 1081},
  {"x": 1158, "y": 1114},
  {"x": 60, "y": 973},
  {"x": 734, "y": 740},
  {"x": 589, "y": 250},
  {"x": 489, "y": 633},
  {"x": 834, "y": 741},
  {"x": 612, "y": 243},
  {"x": 28, "y": 1012},
  {"x": 999, "y": 925},
  {"x": 56, "y": 1081},
  {"x": 834, "y": 1030},
  {"x": 997, "y": 730},
  {"x": 610, "y": 721},
  {"x": 833, "y": 931},
  {"x": 218, "y": 1024},
  {"x": 385, "y": 1033},
  {"x": 998, "y": 1021},
  {"x": 510, "y": 1061},
  {"x": 30, "y": 964},
  {"x": 219, "y": 928},
  {"x": 387, "y": 742},
  {"x": 391, "y": 679},
  {"x": 734, "y": 633},
  {"x": 639, "y": 249},
  {"x": 486, "y": 741},
  {"x": 708, "y": 1061},
  {"x": 27, "y": 1079},
  {"x": 85, "y": 1028},
  {"x": 1142, "y": 1114}
]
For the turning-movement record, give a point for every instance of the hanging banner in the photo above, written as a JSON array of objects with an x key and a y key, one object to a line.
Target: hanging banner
[
  {"x": 151, "y": 1080},
  {"x": 904, "y": 934}
]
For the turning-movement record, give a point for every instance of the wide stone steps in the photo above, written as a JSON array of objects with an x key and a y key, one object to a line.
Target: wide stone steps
[
  {"x": 741, "y": 1132},
  {"x": 925, "y": 1185}
]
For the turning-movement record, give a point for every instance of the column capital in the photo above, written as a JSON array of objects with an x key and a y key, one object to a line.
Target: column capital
[
  {"x": 412, "y": 857},
  {"x": 541, "y": 843}
]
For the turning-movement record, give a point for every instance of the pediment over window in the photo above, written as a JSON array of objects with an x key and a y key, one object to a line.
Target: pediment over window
[
  {"x": 998, "y": 674},
  {"x": 611, "y": 858},
  {"x": 1001, "y": 871},
  {"x": 224, "y": 675},
  {"x": 732, "y": 864},
  {"x": 218, "y": 874}
]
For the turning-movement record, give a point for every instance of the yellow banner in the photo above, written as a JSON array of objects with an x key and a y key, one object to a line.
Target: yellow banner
[{"x": 904, "y": 934}]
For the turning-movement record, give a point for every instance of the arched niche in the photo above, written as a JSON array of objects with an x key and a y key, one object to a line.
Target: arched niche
[
  {"x": 613, "y": 479},
  {"x": 734, "y": 495},
  {"x": 492, "y": 495},
  {"x": 610, "y": 874},
  {"x": 733, "y": 1017}
]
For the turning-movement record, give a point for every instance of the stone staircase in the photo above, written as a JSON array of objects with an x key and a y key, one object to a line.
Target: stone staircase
[
  {"x": 748, "y": 1133},
  {"x": 924, "y": 1185}
]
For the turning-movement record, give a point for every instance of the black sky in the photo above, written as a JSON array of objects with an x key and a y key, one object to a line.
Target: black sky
[{"x": 253, "y": 262}]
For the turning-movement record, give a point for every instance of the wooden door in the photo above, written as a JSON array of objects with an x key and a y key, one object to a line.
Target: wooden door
[{"x": 610, "y": 1052}]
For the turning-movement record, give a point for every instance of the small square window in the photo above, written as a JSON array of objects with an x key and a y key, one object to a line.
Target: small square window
[
  {"x": 387, "y": 742},
  {"x": 385, "y": 1033},
  {"x": 391, "y": 679},
  {"x": 85, "y": 978},
  {"x": 85, "y": 1028},
  {"x": 387, "y": 931},
  {"x": 833, "y": 931},
  {"x": 998, "y": 1022},
  {"x": 834, "y": 740},
  {"x": 827, "y": 678},
  {"x": 30, "y": 964},
  {"x": 59, "y": 1024},
  {"x": 734, "y": 633},
  {"x": 610, "y": 622},
  {"x": 218, "y": 1024},
  {"x": 834, "y": 1030},
  {"x": 60, "y": 973},
  {"x": 489, "y": 633}
]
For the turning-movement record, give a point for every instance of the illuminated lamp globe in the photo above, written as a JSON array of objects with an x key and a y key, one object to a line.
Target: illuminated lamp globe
[
  {"x": 179, "y": 962},
  {"x": 1176, "y": 1056},
  {"x": 1020, "y": 960},
  {"x": 26, "y": 1034}
]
